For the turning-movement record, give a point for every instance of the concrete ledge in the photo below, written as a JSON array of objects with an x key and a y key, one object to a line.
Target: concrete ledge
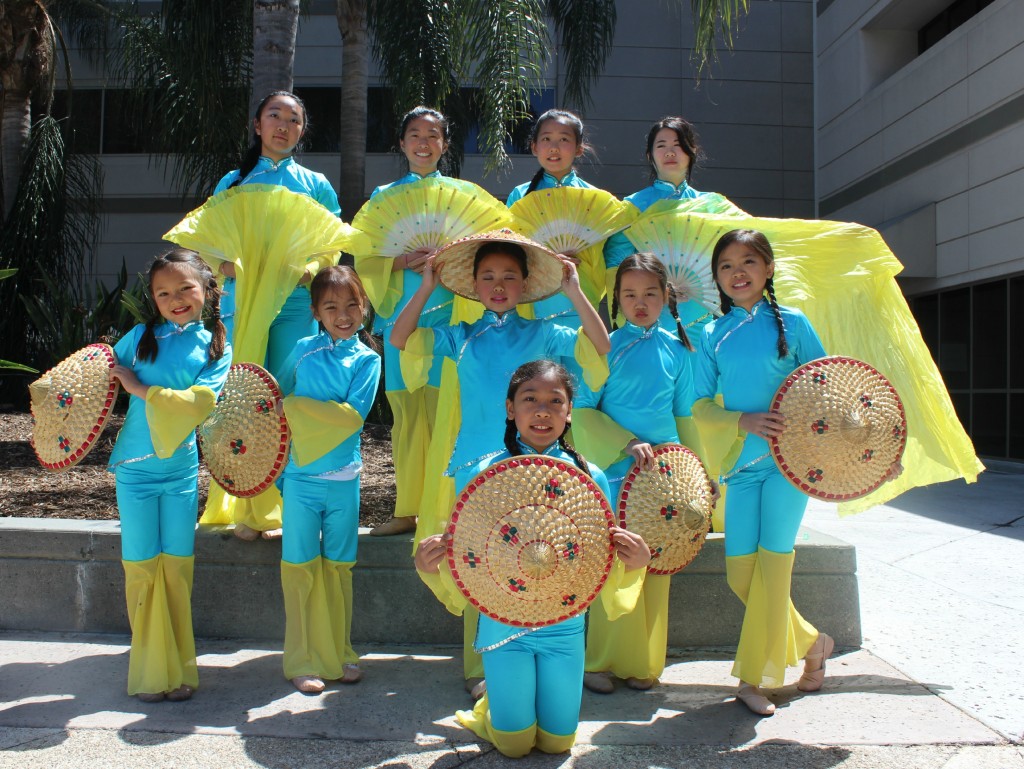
[{"x": 61, "y": 575}]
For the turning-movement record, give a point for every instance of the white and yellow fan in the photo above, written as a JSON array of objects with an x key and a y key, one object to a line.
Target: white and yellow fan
[
  {"x": 569, "y": 220},
  {"x": 705, "y": 203},
  {"x": 683, "y": 242},
  {"x": 428, "y": 214}
]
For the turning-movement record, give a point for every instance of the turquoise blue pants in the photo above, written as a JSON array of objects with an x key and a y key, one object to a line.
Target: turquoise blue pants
[
  {"x": 158, "y": 502},
  {"x": 320, "y": 518},
  {"x": 537, "y": 678},
  {"x": 762, "y": 509}
]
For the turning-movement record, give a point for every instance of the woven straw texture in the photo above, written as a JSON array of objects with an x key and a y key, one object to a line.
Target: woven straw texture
[
  {"x": 845, "y": 426},
  {"x": 569, "y": 220},
  {"x": 427, "y": 214},
  {"x": 669, "y": 506},
  {"x": 70, "y": 406},
  {"x": 244, "y": 441},
  {"x": 530, "y": 541},
  {"x": 456, "y": 265}
]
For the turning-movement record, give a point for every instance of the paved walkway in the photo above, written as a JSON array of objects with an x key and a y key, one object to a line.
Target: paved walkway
[{"x": 937, "y": 684}]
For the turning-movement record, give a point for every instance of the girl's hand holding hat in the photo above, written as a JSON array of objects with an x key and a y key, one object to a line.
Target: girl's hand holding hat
[
  {"x": 129, "y": 381},
  {"x": 631, "y": 548},
  {"x": 430, "y": 552},
  {"x": 642, "y": 452}
]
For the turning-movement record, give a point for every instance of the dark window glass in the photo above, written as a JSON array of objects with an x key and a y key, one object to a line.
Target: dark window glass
[
  {"x": 1016, "y": 328},
  {"x": 82, "y": 126},
  {"x": 926, "y": 312},
  {"x": 323, "y": 106},
  {"x": 381, "y": 124},
  {"x": 954, "y": 329},
  {"x": 947, "y": 20},
  {"x": 988, "y": 347},
  {"x": 988, "y": 425},
  {"x": 1017, "y": 426},
  {"x": 125, "y": 125},
  {"x": 962, "y": 406}
]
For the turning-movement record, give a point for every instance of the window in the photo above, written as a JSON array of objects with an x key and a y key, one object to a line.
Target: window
[{"x": 947, "y": 20}]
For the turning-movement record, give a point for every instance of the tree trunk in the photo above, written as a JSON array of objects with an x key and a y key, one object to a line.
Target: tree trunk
[
  {"x": 355, "y": 56},
  {"x": 14, "y": 130},
  {"x": 274, "y": 26}
]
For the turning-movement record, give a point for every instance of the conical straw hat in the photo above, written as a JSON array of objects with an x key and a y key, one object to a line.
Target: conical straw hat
[
  {"x": 531, "y": 541},
  {"x": 70, "y": 406},
  {"x": 845, "y": 426},
  {"x": 456, "y": 265},
  {"x": 244, "y": 441},
  {"x": 669, "y": 506}
]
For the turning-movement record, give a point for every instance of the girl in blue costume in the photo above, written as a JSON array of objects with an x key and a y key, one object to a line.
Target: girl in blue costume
[
  {"x": 557, "y": 139},
  {"x": 744, "y": 356},
  {"x": 647, "y": 391},
  {"x": 278, "y": 127},
  {"x": 173, "y": 367},
  {"x": 486, "y": 352},
  {"x": 423, "y": 139},
  {"x": 330, "y": 381},
  {"x": 534, "y": 677}
]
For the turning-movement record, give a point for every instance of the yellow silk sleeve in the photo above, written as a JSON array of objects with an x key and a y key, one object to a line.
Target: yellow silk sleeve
[
  {"x": 444, "y": 589},
  {"x": 622, "y": 590},
  {"x": 594, "y": 365},
  {"x": 599, "y": 438},
  {"x": 720, "y": 435},
  {"x": 591, "y": 270},
  {"x": 383, "y": 285},
  {"x": 318, "y": 426},
  {"x": 172, "y": 415},
  {"x": 417, "y": 357}
]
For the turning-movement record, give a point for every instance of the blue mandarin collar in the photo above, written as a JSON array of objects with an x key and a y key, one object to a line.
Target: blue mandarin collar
[
  {"x": 566, "y": 180},
  {"x": 639, "y": 331},
  {"x": 531, "y": 450},
  {"x": 174, "y": 328},
  {"x": 737, "y": 310},
  {"x": 500, "y": 320},
  {"x": 270, "y": 164},
  {"x": 670, "y": 188},
  {"x": 341, "y": 345}
]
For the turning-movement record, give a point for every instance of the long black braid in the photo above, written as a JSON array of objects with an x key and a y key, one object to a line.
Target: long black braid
[
  {"x": 252, "y": 155},
  {"x": 562, "y": 116},
  {"x": 532, "y": 370},
  {"x": 758, "y": 242},
  {"x": 646, "y": 262}
]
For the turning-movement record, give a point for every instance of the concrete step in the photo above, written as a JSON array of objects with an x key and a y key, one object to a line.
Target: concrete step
[{"x": 63, "y": 575}]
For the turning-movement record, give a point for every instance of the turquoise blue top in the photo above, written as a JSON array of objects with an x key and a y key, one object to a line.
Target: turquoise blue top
[
  {"x": 490, "y": 634},
  {"x": 557, "y": 306},
  {"x": 738, "y": 357},
  {"x": 346, "y": 371},
  {"x": 438, "y": 310},
  {"x": 290, "y": 175},
  {"x": 487, "y": 353},
  {"x": 182, "y": 360},
  {"x": 649, "y": 385}
]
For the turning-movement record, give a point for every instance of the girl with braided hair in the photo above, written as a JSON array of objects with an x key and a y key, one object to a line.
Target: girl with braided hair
[
  {"x": 639, "y": 406},
  {"x": 535, "y": 676},
  {"x": 173, "y": 367},
  {"x": 744, "y": 356}
]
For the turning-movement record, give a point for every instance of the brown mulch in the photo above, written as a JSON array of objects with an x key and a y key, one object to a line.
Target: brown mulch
[{"x": 86, "y": 491}]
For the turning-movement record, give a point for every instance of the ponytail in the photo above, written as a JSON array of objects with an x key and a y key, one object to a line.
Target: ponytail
[
  {"x": 535, "y": 182},
  {"x": 213, "y": 324},
  {"x": 147, "y": 344},
  {"x": 783, "y": 345},
  {"x": 249, "y": 161}
]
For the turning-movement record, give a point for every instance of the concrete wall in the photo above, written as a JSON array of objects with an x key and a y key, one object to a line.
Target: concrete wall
[
  {"x": 58, "y": 575},
  {"x": 929, "y": 149},
  {"x": 753, "y": 111}
]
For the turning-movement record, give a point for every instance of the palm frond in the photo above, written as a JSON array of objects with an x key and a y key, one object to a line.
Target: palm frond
[
  {"x": 713, "y": 19},
  {"x": 188, "y": 66},
  {"x": 585, "y": 29},
  {"x": 506, "y": 46}
]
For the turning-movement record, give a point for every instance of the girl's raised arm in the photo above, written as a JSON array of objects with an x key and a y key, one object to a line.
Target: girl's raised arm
[
  {"x": 407, "y": 319},
  {"x": 593, "y": 326}
]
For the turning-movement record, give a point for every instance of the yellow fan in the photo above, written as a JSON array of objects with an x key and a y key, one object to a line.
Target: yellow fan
[
  {"x": 706, "y": 203},
  {"x": 568, "y": 220},
  {"x": 684, "y": 243},
  {"x": 427, "y": 214}
]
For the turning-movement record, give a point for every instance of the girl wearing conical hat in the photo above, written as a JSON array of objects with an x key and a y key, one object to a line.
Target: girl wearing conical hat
[{"x": 173, "y": 367}]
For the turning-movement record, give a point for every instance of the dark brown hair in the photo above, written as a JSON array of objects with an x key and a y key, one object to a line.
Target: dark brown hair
[{"x": 252, "y": 155}]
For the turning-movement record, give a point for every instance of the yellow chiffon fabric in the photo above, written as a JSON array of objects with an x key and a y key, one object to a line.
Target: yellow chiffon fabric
[
  {"x": 842, "y": 276},
  {"x": 632, "y": 645},
  {"x": 173, "y": 415},
  {"x": 383, "y": 286},
  {"x": 774, "y": 634},
  {"x": 318, "y": 618},
  {"x": 158, "y": 593},
  {"x": 271, "y": 235},
  {"x": 319, "y": 426},
  {"x": 415, "y": 412},
  {"x": 512, "y": 744}
]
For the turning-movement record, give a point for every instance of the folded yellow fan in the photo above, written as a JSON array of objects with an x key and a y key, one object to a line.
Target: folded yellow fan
[
  {"x": 684, "y": 243},
  {"x": 569, "y": 220},
  {"x": 427, "y": 214}
]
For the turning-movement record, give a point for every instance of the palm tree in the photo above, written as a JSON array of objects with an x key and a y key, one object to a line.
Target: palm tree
[
  {"x": 274, "y": 26},
  {"x": 429, "y": 49}
]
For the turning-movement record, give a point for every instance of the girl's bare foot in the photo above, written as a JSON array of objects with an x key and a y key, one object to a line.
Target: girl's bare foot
[
  {"x": 182, "y": 693},
  {"x": 150, "y": 696},
  {"x": 397, "y": 525},
  {"x": 244, "y": 533},
  {"x": 752, "y": 697},
  {"x": 598, "y": 682},
  {"x": 272, "y": 533},
  {"x": 352, "y": 674},
  {"x": 308, "y": 684}
]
